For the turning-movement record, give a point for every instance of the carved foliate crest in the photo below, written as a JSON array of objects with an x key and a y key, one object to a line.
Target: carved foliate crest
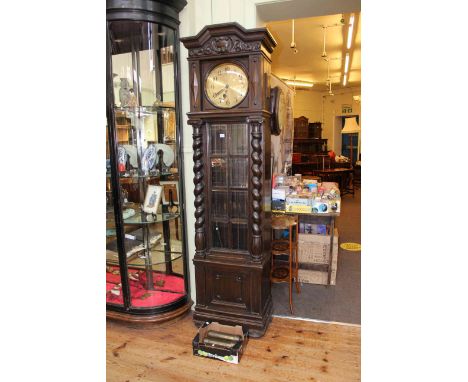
[
  {"x": 228, "y": 38},
  {"x": 225, "y": 44}
]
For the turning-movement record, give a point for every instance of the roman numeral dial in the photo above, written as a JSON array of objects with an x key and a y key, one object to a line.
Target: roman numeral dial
[{"x": 226, "y": 85}]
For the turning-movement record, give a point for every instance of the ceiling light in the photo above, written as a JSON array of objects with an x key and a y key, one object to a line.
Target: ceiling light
[
  {"x": 346, "y": 63},
  {"x": 344, "y": 79},
  {"x": 350, "y": 31},
  {"x": 293, "y": 43},
  {"x": 301, "y": 84},
  {"x": 324, "y": 53}
]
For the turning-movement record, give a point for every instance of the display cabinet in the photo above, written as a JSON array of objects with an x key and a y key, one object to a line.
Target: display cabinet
[
  {"x": 309, "y": 148},
  {"x": 146, "y": 268}
]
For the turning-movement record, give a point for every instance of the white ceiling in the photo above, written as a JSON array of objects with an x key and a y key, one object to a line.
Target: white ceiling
[
  {"x": 307, "y": 64},
  {"x": 273, "y": 10}
]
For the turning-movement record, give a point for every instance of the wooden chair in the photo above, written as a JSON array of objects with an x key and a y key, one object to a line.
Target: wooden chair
[{"x": 283, "y": 246}]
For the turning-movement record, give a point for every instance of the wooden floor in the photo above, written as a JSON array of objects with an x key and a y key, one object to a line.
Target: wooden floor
[{"x": 291, "y": 350}]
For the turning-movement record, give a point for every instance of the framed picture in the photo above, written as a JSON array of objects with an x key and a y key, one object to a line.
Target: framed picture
[
  {"x": 170, "y": 192},
  {"x": 152, "y": 199}
]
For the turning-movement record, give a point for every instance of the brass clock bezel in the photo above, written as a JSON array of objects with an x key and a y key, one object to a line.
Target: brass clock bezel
[{"x": 241, "y": 67}]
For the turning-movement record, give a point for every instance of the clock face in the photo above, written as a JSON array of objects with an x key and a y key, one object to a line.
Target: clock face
[{"x": 226, "y": 85}]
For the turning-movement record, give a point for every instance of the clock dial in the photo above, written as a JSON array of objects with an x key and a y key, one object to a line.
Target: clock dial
[{"x": 226, "y": 85}]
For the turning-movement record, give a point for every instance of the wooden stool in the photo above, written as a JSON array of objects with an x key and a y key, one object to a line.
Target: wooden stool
[{"x": 285, "y": 247}]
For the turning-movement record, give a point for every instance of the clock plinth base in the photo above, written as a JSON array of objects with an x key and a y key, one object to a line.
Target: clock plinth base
[{"x": 257, "y": 325}]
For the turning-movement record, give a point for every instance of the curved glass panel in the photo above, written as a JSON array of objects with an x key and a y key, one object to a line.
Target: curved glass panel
[{"x": 113, "y": 280}]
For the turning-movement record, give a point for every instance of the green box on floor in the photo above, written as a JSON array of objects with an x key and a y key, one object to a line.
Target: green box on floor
[{"x": 216, "y": 351}]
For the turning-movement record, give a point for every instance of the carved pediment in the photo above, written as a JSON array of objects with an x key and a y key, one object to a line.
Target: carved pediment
[
  {"x": 225, "y": 44},
  {"x": 229, "y": 38}
]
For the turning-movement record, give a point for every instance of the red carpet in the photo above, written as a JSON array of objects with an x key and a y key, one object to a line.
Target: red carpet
[{"x": 168, "y": 288}]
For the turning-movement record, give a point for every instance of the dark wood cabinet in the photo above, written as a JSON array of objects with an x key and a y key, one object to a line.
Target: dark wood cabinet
[
  {"x": 309, "y": 148},
  {"x": 315, "y": 130},
  {"x": 232, "y": 173},
  {"x": 301, "y": 127}
]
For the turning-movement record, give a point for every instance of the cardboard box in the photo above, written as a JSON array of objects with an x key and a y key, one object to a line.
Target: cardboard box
[
  {"x": 298, "y": 201},
  {"x": 279, "y": 193},
  {"x": 325, "y": 206},
  {"x": 316, "y": 277},
  {"x": 299, "y": 209},
  {"x": 278, "y": 205},
  {"x": 231, "y": 355},
  {"x": 298, "y": 205},
  {"x": 316, "y": 248}
]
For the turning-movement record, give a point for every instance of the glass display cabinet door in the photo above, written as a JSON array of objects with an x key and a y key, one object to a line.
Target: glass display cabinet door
[
  {"x": 229, "y": 181},
  {"x": 146, "y": 169},
  {"x": 114, "y": 294}
]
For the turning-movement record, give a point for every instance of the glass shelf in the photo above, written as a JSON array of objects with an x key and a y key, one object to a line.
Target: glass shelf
[
  {"x": 144, "y": 218},
  {"x": 149, "y": 176},
  {"x": 143, "y": 110},
  {"x": 141, "y": 218},
  {"x": 157, "y": 258}
]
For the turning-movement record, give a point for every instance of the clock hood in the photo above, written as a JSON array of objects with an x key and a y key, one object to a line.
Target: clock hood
[{"x": 228, "y": 38}]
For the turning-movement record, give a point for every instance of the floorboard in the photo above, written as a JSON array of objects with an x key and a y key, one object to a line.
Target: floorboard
[{"x": 291, "y": 350}]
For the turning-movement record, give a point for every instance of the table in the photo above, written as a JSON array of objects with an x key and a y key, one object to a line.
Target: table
[
  {"x": 342, "y": 174},
  {"x": 326, "y": 216}
]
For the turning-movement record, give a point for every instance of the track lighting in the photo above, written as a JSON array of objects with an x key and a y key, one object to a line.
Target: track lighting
[
  {"x": 300, "y": 84},
  {"x": 346, "y": 63},
  {"x": 293, "y": 43},
  {"x": 324, "y": 53},
  {"x": 350, "y": 31}
]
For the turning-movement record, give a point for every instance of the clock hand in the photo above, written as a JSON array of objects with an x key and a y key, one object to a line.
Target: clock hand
[
  {"x": 218, "y": 93},
  {"x": 223, "y": 89}
]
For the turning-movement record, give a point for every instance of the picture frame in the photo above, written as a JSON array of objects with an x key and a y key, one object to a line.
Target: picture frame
[
  {"x": 152, "y": 199},
  {"x": 169, "y": 185}
]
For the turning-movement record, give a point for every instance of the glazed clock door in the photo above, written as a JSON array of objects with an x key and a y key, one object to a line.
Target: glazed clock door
[{"x": 229, "y": 164}]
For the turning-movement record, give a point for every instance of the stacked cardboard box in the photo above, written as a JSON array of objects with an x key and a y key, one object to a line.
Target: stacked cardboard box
[{"x": 313, "y": 250}]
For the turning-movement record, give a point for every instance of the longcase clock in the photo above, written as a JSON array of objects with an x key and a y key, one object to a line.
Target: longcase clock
[{"x": 229, "y": 75}]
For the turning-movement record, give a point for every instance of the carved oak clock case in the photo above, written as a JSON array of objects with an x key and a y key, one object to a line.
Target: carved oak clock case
[{"x": 229, "y": 75}]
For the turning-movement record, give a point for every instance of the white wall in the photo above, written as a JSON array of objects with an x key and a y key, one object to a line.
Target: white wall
[
  {"x": 333, "y": 109},
  {"x": 308, "y": 103}
]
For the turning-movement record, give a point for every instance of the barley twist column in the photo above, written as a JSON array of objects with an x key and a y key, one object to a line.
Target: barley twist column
[
  {"x": 256, "y": 178},
  {"x": 200, "y": 243}
]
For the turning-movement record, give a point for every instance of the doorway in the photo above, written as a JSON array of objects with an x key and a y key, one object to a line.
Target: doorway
[{"x": 324, "y": 75}]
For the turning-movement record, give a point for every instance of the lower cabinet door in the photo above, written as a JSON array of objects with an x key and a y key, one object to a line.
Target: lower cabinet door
[{"x": 228, "y": 288}]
